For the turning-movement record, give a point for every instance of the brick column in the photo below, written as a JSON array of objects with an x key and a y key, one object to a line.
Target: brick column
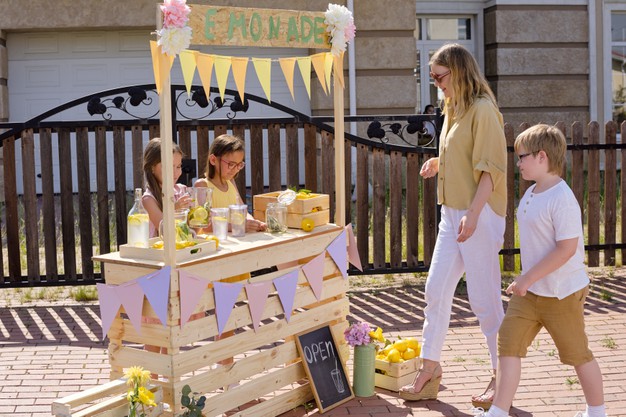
[{"x": 4, "y": 74}]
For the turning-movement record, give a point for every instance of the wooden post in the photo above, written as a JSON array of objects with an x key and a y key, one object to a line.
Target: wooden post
[{"x": 340, "y": 168}]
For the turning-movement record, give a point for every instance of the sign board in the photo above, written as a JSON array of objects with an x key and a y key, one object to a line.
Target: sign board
[
  {"x": 240, "y": 26},
  {"x": 324, "y": 367}
]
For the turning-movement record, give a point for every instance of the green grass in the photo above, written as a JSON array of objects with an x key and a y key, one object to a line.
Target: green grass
[
  {"x": 608, "y": 342},
  {"x": 87, "y": 293}
]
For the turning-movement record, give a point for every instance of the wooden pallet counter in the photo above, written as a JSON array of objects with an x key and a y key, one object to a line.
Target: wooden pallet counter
[{"x": 266, "y": 363}]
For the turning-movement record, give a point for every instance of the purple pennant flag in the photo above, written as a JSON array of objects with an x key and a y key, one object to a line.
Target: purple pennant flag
[
  {"x": 337, "y": 251},
  {"x": 109, "y": 306},
  {"x": 257, "y": 295},
  {"x": 286, "y": 286},
  {"x": 132, "y": 299},
  {"x": 156, "y": 287},
  {"x": 225, "y": 297},
  {"x": 314, "y": 271},
  {"x": 353, "y": 252},
  {"x": 191, "y": 290}
]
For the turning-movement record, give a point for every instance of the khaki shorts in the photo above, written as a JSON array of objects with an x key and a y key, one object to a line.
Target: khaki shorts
[{"x": 563, "y": 319}]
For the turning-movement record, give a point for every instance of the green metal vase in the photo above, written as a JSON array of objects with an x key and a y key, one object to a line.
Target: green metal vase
[{"x": 363, "y": 370}]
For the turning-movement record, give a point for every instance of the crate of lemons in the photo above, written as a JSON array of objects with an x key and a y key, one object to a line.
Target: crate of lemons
[{"x": 397, "y": 362}]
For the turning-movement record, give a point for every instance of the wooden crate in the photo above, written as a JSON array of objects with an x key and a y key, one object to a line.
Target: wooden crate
[
  {"x": 201, "y": 249},
  {"x": 107, "y": 400},
  {"x": 266, "y": 361},
  {"x": 315, "y": 208},
  {"x": 393, "y": 376}
]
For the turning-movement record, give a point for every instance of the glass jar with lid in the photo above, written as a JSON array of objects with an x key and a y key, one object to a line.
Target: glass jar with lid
[{"x": 276, "y": 217}]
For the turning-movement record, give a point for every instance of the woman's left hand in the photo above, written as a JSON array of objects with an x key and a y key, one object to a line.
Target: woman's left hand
[{"x": 467, "y": 226}]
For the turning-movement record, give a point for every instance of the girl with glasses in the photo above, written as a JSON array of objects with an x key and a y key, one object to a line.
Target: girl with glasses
[
  {"x": 226, "y": 159},
  {"x": 471, "y": 188}
]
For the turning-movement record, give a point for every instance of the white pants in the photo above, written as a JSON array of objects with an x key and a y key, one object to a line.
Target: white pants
[{"x": 478, "y": 258}]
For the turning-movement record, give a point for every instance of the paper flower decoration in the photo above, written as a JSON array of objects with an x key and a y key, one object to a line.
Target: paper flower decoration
[
  {"x": 175, "y": 35},
  {"x": 340, "y": 25}
]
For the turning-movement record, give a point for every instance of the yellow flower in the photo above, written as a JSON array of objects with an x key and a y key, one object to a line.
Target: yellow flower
[
  {"x": 137, "y": 376},
  {"x": 378, "y": 335},
  {"x": 146, "y": 397}
]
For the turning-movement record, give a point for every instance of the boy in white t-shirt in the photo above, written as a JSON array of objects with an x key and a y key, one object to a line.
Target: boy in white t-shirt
[{"x": 553, "y": 286}]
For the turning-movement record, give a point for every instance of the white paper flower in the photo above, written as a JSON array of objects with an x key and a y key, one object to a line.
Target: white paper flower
[
  {"x": 174, "y": 40},
  {"x": 340, "y": 25}
]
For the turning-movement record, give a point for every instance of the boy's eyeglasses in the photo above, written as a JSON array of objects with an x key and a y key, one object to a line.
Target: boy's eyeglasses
[
  {"x": 233, "y": 165},
  {"x": 439, "y": 77},
  {"x": 524, "y": 155}
]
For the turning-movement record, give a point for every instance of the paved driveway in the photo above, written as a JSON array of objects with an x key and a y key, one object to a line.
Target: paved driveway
[{"x": 50, "y": 350}]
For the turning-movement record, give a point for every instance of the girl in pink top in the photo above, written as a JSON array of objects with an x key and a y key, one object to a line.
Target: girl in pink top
[{"x": 153, "y": 173}]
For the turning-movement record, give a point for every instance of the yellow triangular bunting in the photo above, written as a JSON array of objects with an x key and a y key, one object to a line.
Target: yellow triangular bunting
[
  {"x": 205, "y": 69},
  {"x": 154, "y": 50},
  {"x": 328, "y": 67},
  {"x": 338, "y": 70},
  {"x": 318, "y": 61},
  {"x": 263, "y": 68},
  {"x": 240, "y": 66},
  {"x": 304, "y": 63},
  {"x": 222, "y": 68},
  {"x": 188, "y": 65},
  {"x": 288, "y": 65}
]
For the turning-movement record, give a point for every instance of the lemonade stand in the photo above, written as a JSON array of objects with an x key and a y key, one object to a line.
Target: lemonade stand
[{"x": 231, "y": 341}]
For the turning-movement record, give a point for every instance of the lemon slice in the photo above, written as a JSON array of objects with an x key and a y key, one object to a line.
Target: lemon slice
[
  {"x": 237, "y": 218},
  {"x": 200, "y": 214},
  {"x": 220, "y": 219},
  {"x": 137, "y": 219}
]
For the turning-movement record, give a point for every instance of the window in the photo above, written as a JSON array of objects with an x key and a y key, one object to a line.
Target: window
[
  {"x": 618, "y": 66},
  {"x": 430, "y": 34}
]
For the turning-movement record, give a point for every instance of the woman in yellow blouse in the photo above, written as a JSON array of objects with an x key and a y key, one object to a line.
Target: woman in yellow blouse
[{"x": 471, "y": 187}]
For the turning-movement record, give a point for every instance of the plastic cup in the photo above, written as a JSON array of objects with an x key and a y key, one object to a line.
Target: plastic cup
[
  {"x": 238, "y": 214},
  {"x": 219, "y": 220}
]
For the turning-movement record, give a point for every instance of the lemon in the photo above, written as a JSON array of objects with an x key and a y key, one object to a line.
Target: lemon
[
  {"x": 137, "y": 219},
  {"x": 412, "y": 343},
  {"x": 158, "y": 244},
  {"x": 387, "y": 349},
  {"x": 237, "y": 218},
  {"x": 401, "y": 345},
  {"x": 220, "y": 219},
  {"x": 409, "y": 354},
  {"x": 307, "y": 225},
  {"x": 394, "y": 356},
  {"x": 197, "y": 223},
  {"x": 200, "y": 214}
]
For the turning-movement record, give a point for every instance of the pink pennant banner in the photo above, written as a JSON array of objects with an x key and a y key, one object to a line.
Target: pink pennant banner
[
  {"x": 109, "y": 306},
  {"x": 225, "y": 297},
  {"x": 353, "y": 251},
  {"x": 131, "y": 296},
  {"x": 257, "y": 295},
  {"x": 314, "y": 272},
  {"x": 337, "y": 251},
  {"x": 156, "y": 287},
  {"x": 286, "y": 286},
  {"x": 191, "y": 290}
]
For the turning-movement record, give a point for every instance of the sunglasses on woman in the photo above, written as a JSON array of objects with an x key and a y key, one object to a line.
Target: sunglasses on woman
[{"x": 439, "y": 77}]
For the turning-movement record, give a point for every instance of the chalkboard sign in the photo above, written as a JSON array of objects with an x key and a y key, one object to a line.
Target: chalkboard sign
[{"x": 327, "y": 374}]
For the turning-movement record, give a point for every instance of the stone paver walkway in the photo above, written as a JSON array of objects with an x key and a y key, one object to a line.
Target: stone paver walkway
[{"x": 50, "y": 350}]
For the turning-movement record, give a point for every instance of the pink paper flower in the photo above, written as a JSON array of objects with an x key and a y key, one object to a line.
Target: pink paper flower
[{"x": 175, "y": 13}]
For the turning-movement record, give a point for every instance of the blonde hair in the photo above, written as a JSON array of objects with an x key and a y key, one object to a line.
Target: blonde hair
[
  {"x": 152, "y": 157},
  {"x": 222, "y": 145},
  {"x": 545, "y": 138},
  {"x": 466, "y": 80}
]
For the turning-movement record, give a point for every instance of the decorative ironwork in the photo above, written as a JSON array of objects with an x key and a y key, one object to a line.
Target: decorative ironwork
[
  {"x": 136, "y": 97},
  {"x": 182, "y": 104},
  {"x": 415, "y": 132},
  {"x": 199, "y": 99}
]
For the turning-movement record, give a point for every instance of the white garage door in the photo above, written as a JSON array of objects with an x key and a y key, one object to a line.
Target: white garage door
[{"x": 48, "y": 69}]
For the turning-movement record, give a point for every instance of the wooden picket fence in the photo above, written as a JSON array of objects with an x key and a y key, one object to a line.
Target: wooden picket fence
[{"x": 395, "y": 214}]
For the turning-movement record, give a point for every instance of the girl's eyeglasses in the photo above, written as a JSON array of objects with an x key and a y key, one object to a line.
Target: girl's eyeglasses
[
  {"x": 233, "y": 165},
  {"x": 439, "y": 77}
]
